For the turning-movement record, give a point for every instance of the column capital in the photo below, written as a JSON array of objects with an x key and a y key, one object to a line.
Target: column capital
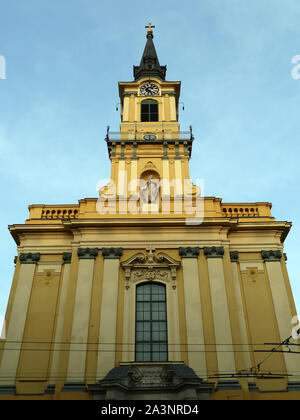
[
  {"x": 112, "y": 253},
  {"x": 189, "y": 252},
  {"x": 214, "y": 251},
  {"x": 67, "y": 257},
  {"x": 87, "y": 253},
  {"x": 271, "y": 256},
  {"x": 234, "y": 256},
  {"x": 30, "y": 258}
]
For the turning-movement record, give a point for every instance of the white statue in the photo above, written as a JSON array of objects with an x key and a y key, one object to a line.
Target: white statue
[{"x": 150, "y": 190}]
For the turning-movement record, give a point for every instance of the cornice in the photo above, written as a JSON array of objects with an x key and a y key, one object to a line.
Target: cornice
[{"x": 66, "y": 227}]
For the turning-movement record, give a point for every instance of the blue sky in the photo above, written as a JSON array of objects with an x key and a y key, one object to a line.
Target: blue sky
[{"x": 64, "y": 60}]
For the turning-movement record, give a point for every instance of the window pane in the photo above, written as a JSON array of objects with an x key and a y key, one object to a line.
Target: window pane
[
  {"x": 154, "y": 306},
  {"x": 139, "y": 335},
  {"x": 139, "y": 306},
  {"x": 162, "y": 316},
  {"x": 149, "y": 110},
  {"x": 155, "y": 316},
  {"x": 153, "y": 117},
  {"x": 153, "y": 108},
  {"x": 162, "y": 307},
  {"x": 162, "y": 336},
  {"x": 140, "y": 316},
  {"x": 145, "y": 118},
  {"x": 155, "y": 336}
]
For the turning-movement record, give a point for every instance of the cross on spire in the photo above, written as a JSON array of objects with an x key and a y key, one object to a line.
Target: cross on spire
[
  {"x": 149, "y": 65},
  {"x": 150, "y": 26}
]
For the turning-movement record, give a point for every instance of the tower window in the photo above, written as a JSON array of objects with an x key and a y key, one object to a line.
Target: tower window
[
  {"x": 149, "y": 110},
  {"x": 151, "y": 323}
]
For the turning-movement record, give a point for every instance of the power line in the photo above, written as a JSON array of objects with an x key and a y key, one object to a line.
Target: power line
[{"x": 133, "y": 343}]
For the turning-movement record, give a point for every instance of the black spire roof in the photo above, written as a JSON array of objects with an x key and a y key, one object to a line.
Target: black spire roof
[{"x": 149, "y": 65}]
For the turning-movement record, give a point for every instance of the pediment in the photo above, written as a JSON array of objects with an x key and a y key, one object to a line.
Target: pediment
[
  {"x": 150, "y": 267},
  {"x": 141, "y": 259}
]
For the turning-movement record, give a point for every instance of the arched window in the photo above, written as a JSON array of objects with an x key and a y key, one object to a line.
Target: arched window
[
  {"x": 149, "y": 110},
  {"x": 151, "y": 342}
]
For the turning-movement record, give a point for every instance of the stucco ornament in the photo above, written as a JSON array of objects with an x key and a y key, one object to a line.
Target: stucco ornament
[{"x": 150, "y": 267}]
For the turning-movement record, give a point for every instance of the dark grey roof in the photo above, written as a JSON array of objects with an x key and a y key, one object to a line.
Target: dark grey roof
[
  {"x": 149, "y": 65},
  {"x": 184, "y": 372},
  {"x": 117, "y": 373}
]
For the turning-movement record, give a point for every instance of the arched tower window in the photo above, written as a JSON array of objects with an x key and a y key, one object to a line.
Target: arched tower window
[
  {"x": 149, "y": 110},
  {"x": 151, "y": 343}
]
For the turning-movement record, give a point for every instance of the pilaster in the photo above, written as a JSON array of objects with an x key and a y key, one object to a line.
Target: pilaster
[
  {"x": 281, "y": 304},
  {"x": 108, "y": 318},
  {"x": 225, "y": 355},
  {"x": 59, "y": 330},
  {"x": 15, "y": 328},
  {"x": 194, "y": 322},
  {"x": 80, "y": 326}
]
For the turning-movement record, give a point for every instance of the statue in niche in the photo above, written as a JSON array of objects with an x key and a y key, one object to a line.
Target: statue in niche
[{"x": 150, "y": 190}]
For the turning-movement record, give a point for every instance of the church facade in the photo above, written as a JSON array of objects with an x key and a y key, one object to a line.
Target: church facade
[{"x": 151, "y": 290}]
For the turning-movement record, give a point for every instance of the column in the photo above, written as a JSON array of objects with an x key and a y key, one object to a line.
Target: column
[
  {"x": 225, "y": 355},
  {"x": 81, "y": 315},
  {"x": 16, "y": 325},
  {"x": 54, "y": 372},
  {"x": 281, "y": 303},
  {"x": 109, "y": 305},
  {"x": 193, "y": 310}
]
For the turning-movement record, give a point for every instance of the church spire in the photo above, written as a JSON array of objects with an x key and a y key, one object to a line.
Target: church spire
[{"x": 149, "y": 65}]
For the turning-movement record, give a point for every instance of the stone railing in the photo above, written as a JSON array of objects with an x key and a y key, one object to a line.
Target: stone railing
[
  {"x": 53, "y": 212},
  {"x": 246, "y": 210},
  {"x": 60, "y": 212}
]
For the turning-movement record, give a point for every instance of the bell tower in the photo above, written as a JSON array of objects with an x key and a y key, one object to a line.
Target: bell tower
[{"x": 150, "y": 148}]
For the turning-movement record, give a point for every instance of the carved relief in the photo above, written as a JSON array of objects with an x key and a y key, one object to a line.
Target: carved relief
[
  {"x": 150, "y": 267},
  {"x": 252, "y": 273},
  {"x": 144, "y": 376}
]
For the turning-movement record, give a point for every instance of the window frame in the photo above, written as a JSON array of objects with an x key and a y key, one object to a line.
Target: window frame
[
  {"x": 149, "y": 116},
  {"x": 153, "y": 355}
]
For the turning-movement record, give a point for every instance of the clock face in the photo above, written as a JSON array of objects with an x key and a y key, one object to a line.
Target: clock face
[{"x": 149, "y": 89}]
